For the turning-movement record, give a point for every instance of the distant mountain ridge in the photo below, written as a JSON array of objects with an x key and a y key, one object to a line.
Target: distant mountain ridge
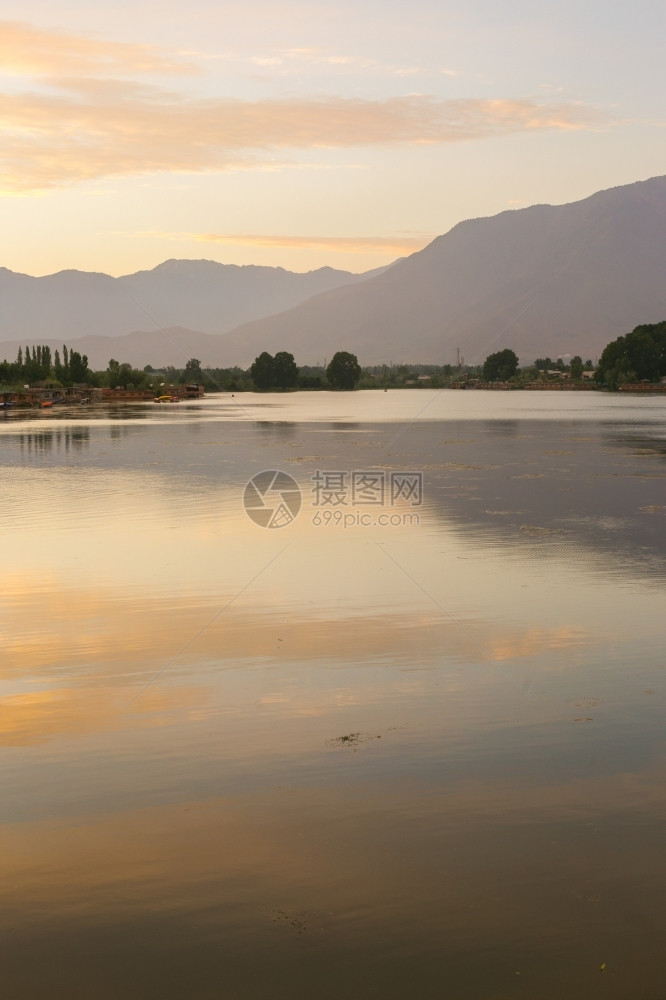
[
  {"x": 544, "y": 280},
  {"x": 196, "y": 294}
]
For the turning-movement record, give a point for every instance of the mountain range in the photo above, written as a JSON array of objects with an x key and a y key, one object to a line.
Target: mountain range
[{"x": 544, "y": 280}]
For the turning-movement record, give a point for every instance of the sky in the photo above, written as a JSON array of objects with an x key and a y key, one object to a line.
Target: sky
[{"x": 310, "y": 134}]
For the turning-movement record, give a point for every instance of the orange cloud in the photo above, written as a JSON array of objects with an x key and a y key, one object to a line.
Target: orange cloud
[
  {"x": 25, "y": 49},
  {"x": 100, "y": 128},
  {"x": 338, "y": 244}
]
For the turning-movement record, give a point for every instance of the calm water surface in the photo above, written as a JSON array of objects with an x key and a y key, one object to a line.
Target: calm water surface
[{"x": 418, "y": 752}]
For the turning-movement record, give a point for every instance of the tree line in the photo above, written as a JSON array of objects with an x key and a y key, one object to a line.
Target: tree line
[
  {"x": 39, "y": 365},
  {"x": 639, "y": 356},
  {"x": 635, "y": 357},
  {"x": 503, "y": 367},
  {"x": 281, "y": 372}
]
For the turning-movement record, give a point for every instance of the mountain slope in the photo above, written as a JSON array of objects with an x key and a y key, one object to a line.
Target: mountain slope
[{"x": 542, "y": 280}]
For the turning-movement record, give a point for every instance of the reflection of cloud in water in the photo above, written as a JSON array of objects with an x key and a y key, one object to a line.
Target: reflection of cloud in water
[
  {"x": 104, "y": 627},
  {"x": 77, "y": 711},
  {"x": 90, "y": 651}
]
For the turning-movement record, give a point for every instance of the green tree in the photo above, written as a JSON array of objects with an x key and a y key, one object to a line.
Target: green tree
[
  {"x": 343, "y": 371},
  {"x": 500, "y": 366},
  {"x": 525, "y": 375},
  {"x": 576, "y": 367},
  {"x": 125, "y": 374},
  {"x": 130, "y": 378},
  {"x": 78, "y": 366},
  {"x": 193, "y": 371},
  {"x": 285, "y": 372},
  {"x": 638, "y": 355},
  {"x": 262, "y": 371}
]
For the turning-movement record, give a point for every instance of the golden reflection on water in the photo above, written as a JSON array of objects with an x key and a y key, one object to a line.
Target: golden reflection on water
[
  {"x": 231, "y": 756},
  {"x": 78, "y": 627},
  {"x": 38, "y": 716},
  {"x": 92, "y": 650}
]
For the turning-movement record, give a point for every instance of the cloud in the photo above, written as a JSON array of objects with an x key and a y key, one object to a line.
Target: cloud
[
  {"x": 88, "y": 129},
  {"x": 25, "y": 49},
  {"x": 337, "y": 244},
  {"x": 319, "y": 58}
]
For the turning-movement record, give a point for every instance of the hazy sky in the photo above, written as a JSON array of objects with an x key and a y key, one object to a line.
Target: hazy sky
[{"x": 313, "y": 133}]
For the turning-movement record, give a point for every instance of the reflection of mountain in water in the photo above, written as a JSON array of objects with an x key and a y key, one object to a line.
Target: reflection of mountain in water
[
  {"x": 551, "y": 485},
  {"x": 589, "y": 489}
]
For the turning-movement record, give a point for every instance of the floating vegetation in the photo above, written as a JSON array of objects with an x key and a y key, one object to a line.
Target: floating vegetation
[
  {"x": 354, "y": 739},
  {"x": 351, "y": 739},
  {"x": 297, "y": 921}
]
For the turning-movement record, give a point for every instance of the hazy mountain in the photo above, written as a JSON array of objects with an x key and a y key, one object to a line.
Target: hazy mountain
[
  {"x": 545, "y": 280},
  {"x": 197, "y": 294}
]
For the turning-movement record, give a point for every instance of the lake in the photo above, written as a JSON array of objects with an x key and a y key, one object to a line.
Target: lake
[{"x": 334, "y": 694}]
